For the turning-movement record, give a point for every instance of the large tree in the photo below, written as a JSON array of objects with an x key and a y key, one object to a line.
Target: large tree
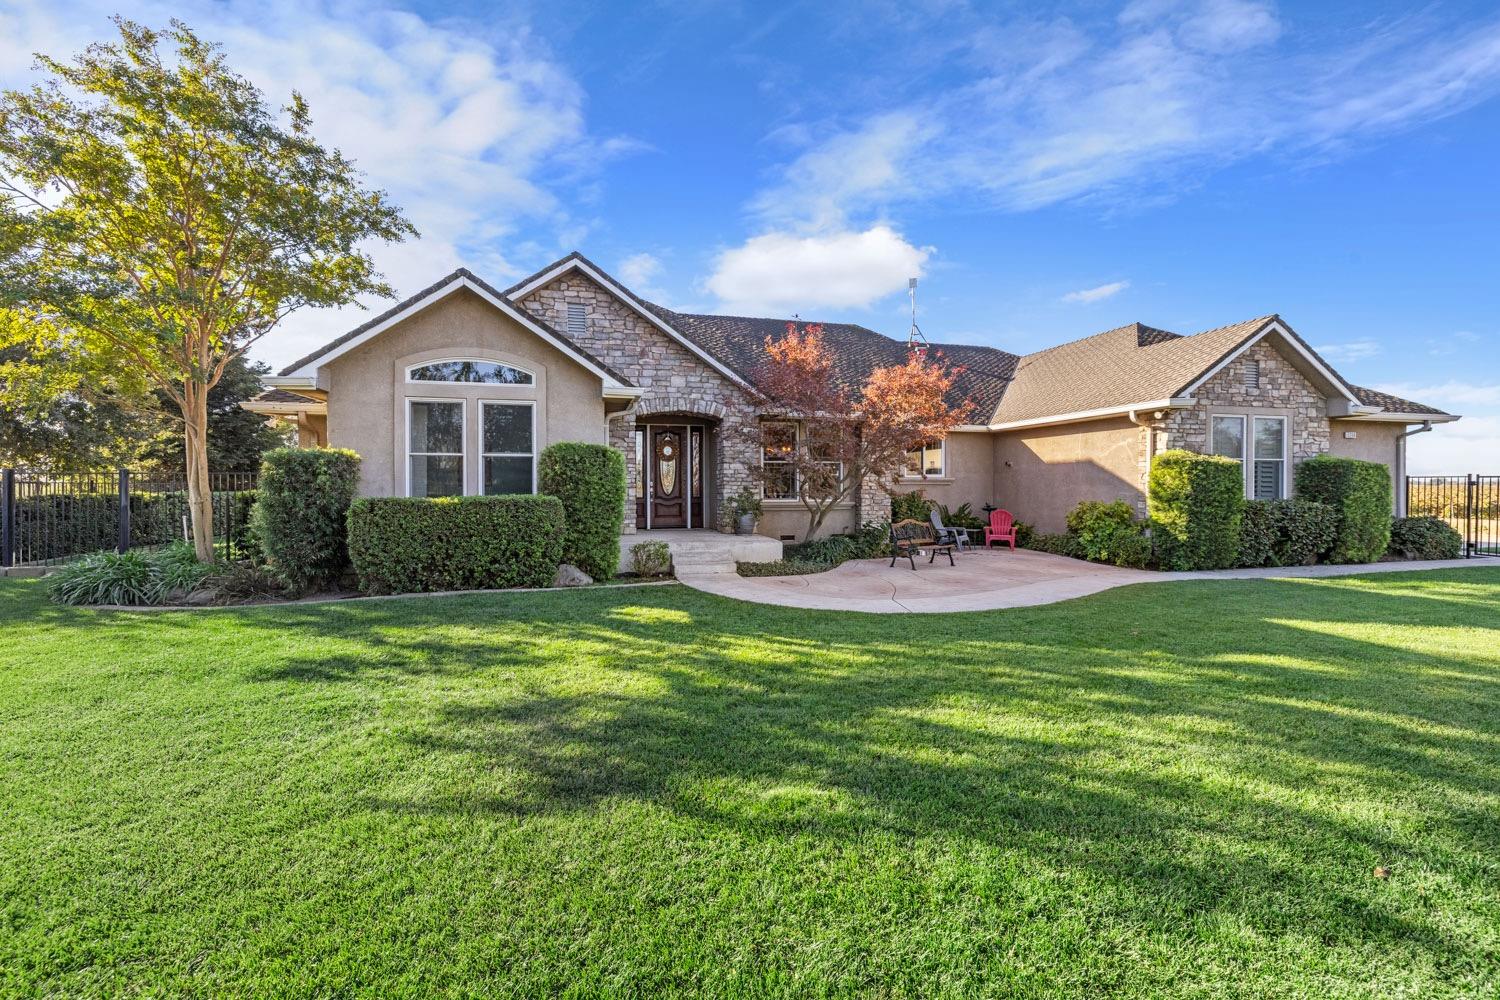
[
  {"x": 848, "y": 434},
  {"x": 158, "y": 217}
]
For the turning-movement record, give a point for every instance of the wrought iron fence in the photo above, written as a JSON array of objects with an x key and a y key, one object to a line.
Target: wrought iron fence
[
  {"x": 47, "y": 519},
  {"x": 1471, "y": 504}
]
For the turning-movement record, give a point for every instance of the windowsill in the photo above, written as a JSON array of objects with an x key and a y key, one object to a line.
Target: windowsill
[
  {"x": 789, "y": 504},
  {"x": 929, "y": 480}
]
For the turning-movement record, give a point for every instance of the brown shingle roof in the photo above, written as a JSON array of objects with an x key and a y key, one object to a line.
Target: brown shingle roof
[
  {"x": 281, "y": 396},
  {"x": 1129, "y": 364},
  {"x": 739, "y": 342},
  {"x": 1394, "y": 404}
]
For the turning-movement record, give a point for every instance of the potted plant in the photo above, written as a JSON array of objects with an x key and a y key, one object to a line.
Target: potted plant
[{"x": 745, "y": 506}]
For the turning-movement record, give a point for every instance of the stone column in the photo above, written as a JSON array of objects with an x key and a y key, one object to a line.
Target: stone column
[{"x": 622, "y": 439}]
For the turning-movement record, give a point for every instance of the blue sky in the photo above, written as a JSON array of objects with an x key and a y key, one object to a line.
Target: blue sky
[{"x": 1049, "y": 172}]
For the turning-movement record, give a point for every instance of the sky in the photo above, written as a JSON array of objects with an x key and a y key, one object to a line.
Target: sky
[{"x": 1047, "y": 171}]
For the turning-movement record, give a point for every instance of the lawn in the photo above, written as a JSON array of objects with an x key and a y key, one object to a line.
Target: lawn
[{"x": 1174, "y": 790}]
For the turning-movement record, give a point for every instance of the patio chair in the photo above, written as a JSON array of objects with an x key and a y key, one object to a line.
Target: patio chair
[
  {"x": 1002, "y": 529},
  {"x": 958, "y": 536},
  {"x": 909, "y": 538}
]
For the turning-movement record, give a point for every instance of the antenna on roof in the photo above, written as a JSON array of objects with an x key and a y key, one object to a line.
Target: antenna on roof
[{"x": 916, "y": 340}]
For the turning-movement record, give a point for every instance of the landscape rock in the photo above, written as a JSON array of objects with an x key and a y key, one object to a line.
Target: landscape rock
[
  {"x": 569, "y": 575},
  {"x": 198, "y": 598}
]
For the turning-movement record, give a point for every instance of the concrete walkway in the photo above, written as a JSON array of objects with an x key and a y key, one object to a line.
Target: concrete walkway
[{"x": 985, "y": 581}]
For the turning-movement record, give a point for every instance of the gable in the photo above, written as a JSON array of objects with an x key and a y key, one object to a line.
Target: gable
[{"x": 628, "y": 342}]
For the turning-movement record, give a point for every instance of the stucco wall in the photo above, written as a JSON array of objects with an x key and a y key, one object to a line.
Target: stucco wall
[
  {"x": 367, "y": 387},
  {"x": 969, "y": 476},
  {"x": 1373, "y": 443},
  {"x": 1041, "y": 474}
]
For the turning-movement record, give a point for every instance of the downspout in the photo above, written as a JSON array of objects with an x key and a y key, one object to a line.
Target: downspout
[
  {"x": 1150, "y": 425},
  {"x": 1401, "y": 464}
]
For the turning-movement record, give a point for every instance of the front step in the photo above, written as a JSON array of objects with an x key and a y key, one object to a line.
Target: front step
[{"x": 681, "y": 570}]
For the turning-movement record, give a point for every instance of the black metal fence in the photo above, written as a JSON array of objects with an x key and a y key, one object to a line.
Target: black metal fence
[
  {"x": 46, "y": 519},
  {"x": 1471, "y": 504}
]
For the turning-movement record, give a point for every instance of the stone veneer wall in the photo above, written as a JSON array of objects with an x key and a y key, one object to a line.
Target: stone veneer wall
[
  {"x": 675, "y": 380},
  {"x": 1282, "y": 388}
]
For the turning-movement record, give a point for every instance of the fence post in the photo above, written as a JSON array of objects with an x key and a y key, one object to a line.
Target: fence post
[
  {"x": 124, "y": 541},
  {"x": 8, "y": 517},
  {"x": 1469, "y": 505}
]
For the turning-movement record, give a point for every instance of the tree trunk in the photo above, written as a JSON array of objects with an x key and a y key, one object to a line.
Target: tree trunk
[{"x": 195, "y": 451}]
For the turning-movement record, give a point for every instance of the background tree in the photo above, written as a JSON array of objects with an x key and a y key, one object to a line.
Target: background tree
[
  {"x": 157, "y": 218},
  {"x": 849, "y": 434},
  {"x": 237, "y": 438},
  {"x": 93, "y": 428}
]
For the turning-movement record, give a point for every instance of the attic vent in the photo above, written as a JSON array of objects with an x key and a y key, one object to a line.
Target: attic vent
[
  {"x": 577, "y": 320},
  {"x": 1252, "y": 374}
]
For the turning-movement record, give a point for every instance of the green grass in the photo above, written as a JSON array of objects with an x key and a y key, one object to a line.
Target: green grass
[{"x": 1174, "y": 790}]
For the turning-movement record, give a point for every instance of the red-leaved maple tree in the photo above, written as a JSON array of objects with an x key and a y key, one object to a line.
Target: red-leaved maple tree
[{"x": 847, "y": 434}]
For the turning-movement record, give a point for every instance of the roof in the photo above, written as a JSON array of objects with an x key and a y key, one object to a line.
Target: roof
[
  {"x": 740, "y": 342},
  {"x": 407, "y": 303},
  {"x": 280, "y": 396},
  {"x": 1129, "y": 364},
  {"x": 1112, "y": 370},
  {"x": 1395, "y": 404}
]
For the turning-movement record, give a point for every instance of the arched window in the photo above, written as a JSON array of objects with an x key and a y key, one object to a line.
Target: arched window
[{"x": 481, "y": 372}]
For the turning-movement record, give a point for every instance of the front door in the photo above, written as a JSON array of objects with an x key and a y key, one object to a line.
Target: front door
[{"x": 668, "y": 478}]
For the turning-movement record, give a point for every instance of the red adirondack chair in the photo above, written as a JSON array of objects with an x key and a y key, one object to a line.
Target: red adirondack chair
[{"x": 1002, "y": 529}]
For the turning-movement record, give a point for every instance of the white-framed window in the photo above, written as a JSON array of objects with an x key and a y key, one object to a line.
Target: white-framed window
[
  {"x": 928, "y": 460},
  {"x": 1259, "y": 443},
  {"x": 472, "y": 372},
  {"x": 507, "y": 447},
  {"x": 434, "y": 448},
  {"x": 779, "y": 440}
]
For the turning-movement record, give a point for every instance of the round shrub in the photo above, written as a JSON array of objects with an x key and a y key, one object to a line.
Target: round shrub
[
  {"x": 1424, "y": 538},
  {"x": 1360, "y": 493},
  {"x": 913, "y": 506},
  {"x": 403, "y": 545},
  {"x": 1197, "y": 504},
  {"x": 589, "y": 479},
  {"x": 300, "y": 514},
  {"x": 651, "y": 558}
]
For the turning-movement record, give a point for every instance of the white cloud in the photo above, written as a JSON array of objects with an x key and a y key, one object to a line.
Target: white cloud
[
  {"x": 1057, "y": 111},
  {"x": 1451, "y": 395},
  {"x": 1098, "y": 293},
  {"x": 460, "y": 125},
  {"x": 782, "y": 272},
  {"x": 1470, "y": 445},
  {"x": 638, "y": 270},
  {"x": 1354, "y": 350}
]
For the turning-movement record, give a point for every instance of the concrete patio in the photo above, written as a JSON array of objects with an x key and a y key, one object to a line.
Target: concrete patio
[{"x": 987, "y": 580}]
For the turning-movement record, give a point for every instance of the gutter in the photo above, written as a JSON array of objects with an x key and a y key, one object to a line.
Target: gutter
[{"x": 1173, "y": 403}]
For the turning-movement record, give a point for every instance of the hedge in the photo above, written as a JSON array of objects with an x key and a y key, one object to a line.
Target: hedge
[
  {"x": 1196, "y": 503},
  {"x": 299, "y": 518},
  {"x": 1424, "y": 538},
  {"x": 1360, "y": 493},
  {"x": 403, "y": 545},
  {"x": 589, "y": 479},
  {"x": 1286, "y": 532}
]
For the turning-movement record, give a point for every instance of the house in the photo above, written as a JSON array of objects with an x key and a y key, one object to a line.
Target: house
[{"x": 457, "y": 389}]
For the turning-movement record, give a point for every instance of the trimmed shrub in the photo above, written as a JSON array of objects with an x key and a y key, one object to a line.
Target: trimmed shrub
[
  {"x": 913, "y": 506},
  {"x": 1360, "y": 493},
  {"x": 1058, "y": 545},
  {"x": 133, "y": 577},
  {"x": 1286, "y": 532},
  {"x": 1107, "y": 532},
  {"x": 651, "y": 558},
  {"x": 300, "y": 516},
  {"x": 869, "y": 542},
  {"x": 589, "y": 479},
  {"x": 1197, "y": 503},
  {"x": 1424, "y": 538},
  {"x": 402, "y": 545}
]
